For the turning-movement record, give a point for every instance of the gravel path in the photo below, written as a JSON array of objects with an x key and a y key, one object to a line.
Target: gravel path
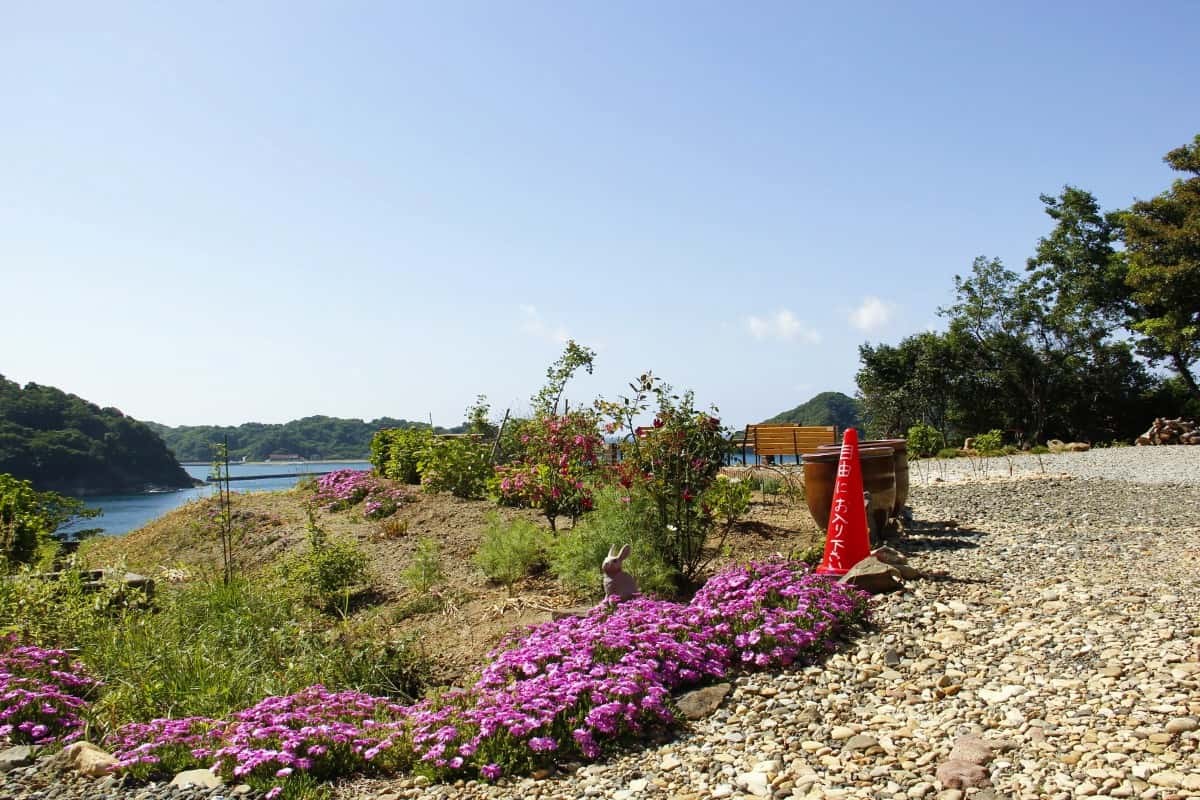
[
  {"x": 1133, "y": 464},
  {"x": 1062, "y": 624}
]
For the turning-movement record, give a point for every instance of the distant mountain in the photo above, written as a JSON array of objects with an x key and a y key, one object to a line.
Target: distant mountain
[
  {"x": 310, "y": 437},
  {"x": 827, "y": 408},
  {"x": 63, "y": 443}
]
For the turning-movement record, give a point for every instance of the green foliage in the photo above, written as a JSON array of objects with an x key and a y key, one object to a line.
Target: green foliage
[
  {"x": 674, "y": 463},
  {"x": 727, "y": 500},
  {"x": 425, "y": 571},
  {"x": 1039, "y": 450},
  {"x": 1162, "y": 239},
  {"x": 60, "y": 442},
  {"x": 461, "y": 466},
  {"x": 990, "y": 443},
  {"x": 329, "y": 573},
  {"x": 511, "y": 550},
  {"x": 574, "y": 357},
  {"x": 396, "y": 452},
  {"x": 827, "y": 408},
  {"x": 617, "y": 519},
  {"x": 205, "y": 648},
  {"x": 29, "y": 519},
  {"x": 923, "y": 440},
  {"x": 310, "y": 437},
  {"x": 949, "y": 452}
]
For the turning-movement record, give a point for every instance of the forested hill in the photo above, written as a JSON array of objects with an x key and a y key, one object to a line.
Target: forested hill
[
  {"x": 63, "y": 443},
  {"x": 827, "y": 408},
  {"x": 310, "y": 437}
]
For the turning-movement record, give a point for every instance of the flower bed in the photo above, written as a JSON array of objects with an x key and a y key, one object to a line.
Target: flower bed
[
  {"x": 349, "y": 487},
  {"x": 559, "y": 690},
  {"x": 42, "y": 694}
]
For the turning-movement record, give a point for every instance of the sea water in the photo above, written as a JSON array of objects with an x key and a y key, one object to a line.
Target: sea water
[{"x": 122, "y": 513}]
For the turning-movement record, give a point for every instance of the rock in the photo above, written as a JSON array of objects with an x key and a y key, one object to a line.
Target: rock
[
  {"x": 874, "y": 576},
  {"x": 841, "y": 732},
  {"x": 1076, "y": 447},
  {"x": 1182, "y": 725},
  {"x": 973, "y": 749},
  {"x": 961, "y": 775},
  {"x": 699, "y": 703},
  {"x": 1168, "y": 778},
  {"x": 575, "y": 611},
  {"x": 860, "y": 742},
  {"x": 88, "y": 759},
  {"x": 13, "y": 757},
  {"x": 204, "y": 778}
]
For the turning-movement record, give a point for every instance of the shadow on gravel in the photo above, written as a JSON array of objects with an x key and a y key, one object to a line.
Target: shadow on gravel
[{"x": 923, "y": 536}]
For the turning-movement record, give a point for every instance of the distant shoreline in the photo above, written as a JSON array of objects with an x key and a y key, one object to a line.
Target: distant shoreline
[{"x": 278, "y": 463}]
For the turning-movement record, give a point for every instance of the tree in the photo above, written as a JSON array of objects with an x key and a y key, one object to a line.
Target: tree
[{"x": 1162, "y": 237}]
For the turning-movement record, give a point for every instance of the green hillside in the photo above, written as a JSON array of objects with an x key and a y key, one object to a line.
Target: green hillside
[
  {"x": 63, "y": 443},
  {"x": 311, "y": 437},
  {"x": 827, "y": 408}
]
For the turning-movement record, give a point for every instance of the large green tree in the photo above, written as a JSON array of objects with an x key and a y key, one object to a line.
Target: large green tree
[{"x": 1162, "y": 237}]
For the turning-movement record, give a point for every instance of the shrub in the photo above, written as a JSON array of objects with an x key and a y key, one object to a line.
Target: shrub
[
  {"x": 949, "y": 452},
  {"x": 560, "y": 454},
  {"x": 728, "y": 500},
  {"x": 28, "y": 520},
  {"x": 511, "y": 550},
  {"x": 674, "y": 462},
  {"x": 396, "y": 452},
  {"x": 425, "y": 571},
  {"x": 618, "y": 518},
  {"x": 1039, "y": 450},
  {"x": 392, "y": 528},
  {"x": 989, "y": 443},
  {"x": 328, "y": 573},
  {"x": 924, "y": 440},
  {"x": 457, "y": 465}
]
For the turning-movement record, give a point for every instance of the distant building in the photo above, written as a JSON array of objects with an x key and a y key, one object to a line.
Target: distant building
[{"x": 285, "y": 457}]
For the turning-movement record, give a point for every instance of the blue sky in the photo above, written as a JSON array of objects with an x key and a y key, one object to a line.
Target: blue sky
[{"x": 269, "y": 210}]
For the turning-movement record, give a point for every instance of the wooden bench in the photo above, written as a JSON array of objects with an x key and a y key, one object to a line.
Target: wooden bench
[{"x": 784, "y": 440}]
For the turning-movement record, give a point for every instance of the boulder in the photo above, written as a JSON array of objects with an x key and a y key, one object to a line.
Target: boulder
[
  {"x": 1077, "y": 447},
  {"x": 874, "y": 576},
  {"x": 895, "y": 558},
  {"x": 699, "y": 703},
  {"x": 955, "y": 774},
  {"x": 88, "y": 759}
]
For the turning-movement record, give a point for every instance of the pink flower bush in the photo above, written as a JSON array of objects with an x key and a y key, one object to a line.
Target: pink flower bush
[
  {"x": 562, "y": 689},
  {"x": 560, "y": 451},
  {"x": 42, "y": 694},
  {"x": 348, "y": 487}
]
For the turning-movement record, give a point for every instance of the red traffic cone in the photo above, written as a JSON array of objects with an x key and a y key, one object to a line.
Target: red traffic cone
[{"x": 847, "y": 541}]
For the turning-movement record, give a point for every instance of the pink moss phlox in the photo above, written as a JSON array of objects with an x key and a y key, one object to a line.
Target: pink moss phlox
[
  {"x": 43, "y": 694},
  {"x": 558, "y": 690}
]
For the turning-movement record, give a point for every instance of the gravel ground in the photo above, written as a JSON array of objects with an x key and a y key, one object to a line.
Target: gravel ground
[
  {"x": 1178, "y": 464},
  {"x": 1060, "y": 621}
]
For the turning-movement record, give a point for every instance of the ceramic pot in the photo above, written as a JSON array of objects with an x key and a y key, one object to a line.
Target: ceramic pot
[
  {"x": 879, "y": 478},
  {"x": 899, "y": 461}
]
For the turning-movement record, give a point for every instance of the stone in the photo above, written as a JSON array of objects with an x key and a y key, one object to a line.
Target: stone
[
  {"x": 203, "y": 778},
  {"x": 860, "y": 742},
  {"x": 971, "y": 748},
  {"x": 13, "y": 757},
  {"x": 88, "y": 759},
  {"x": 1182, "y": 725},
  {"x": 961, "y": 775},
  {"x": 699, "y": 703},
  {"x": 874, "y": 576},
  {"x": 1167, "y": 778},
  {"x": 841, "y": 732}
]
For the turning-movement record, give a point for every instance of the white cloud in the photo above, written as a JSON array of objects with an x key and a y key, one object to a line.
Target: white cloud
[
  {"x": 782, "y": 325},
  {"x": 533, "y": 324},
  {"x": 873, "y": 313}
]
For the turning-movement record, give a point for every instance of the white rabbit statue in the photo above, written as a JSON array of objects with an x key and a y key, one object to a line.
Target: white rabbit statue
[{"x": 617, "y": 582}]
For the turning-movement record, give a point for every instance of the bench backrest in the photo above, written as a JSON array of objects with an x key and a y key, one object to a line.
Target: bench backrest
[{"x": 785, "y": 440}]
